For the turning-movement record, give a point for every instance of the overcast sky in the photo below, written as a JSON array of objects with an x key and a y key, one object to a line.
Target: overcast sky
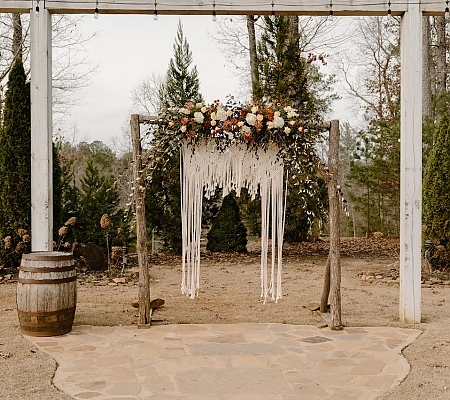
[
  {"x": 133, "y": 47},
  {"x": 130, "y": 48}
]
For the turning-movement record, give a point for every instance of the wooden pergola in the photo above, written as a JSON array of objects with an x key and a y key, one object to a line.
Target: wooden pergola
[{"x": 410, "y": 11}]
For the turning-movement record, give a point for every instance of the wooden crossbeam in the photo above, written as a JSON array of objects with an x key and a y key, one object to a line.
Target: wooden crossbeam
[{"x": 229, "y": 7}]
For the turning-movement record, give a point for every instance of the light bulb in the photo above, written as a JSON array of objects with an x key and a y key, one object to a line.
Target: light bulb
[
  {"x": 36, "y": 11},
  {"x": 447, "y": 12},
  {"x": 331, "y": 16},
  {"x": 96, "y": 13},
  {"x": 214, "y": 16},
  {"x": 155, "y": 15}
]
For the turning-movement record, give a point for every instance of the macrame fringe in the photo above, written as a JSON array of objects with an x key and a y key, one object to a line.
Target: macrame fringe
[{"x": 205, "y": 169}]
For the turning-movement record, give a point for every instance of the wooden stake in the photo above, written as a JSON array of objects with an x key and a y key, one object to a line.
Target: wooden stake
[
  {"x": 145, "y": 312},
  {"x": 334, "y": 256}
]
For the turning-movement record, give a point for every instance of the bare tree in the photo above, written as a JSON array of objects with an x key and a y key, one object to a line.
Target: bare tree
[
  {"x": 146, "y": 95},
  {"x": 71, "y": 67}
]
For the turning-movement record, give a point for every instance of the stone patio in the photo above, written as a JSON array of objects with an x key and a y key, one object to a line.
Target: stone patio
[{"x": 228, "y": 362}]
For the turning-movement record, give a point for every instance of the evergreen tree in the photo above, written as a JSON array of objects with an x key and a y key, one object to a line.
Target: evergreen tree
[
  {"x": 163, "y": 198},
  {"x": 288, "y": 78},
  {"x": 227, "y": 232},
  {"x": 182, "y": 81},
  {"x": 436, "y": 187},
  {"x": 98, "y": 196},
  {"x": 15, "y": 150}
]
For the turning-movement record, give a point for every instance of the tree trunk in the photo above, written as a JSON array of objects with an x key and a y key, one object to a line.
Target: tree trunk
[
  {"x": 141, "y": 228},
  {"x": 326, "y": 289},
  {"x": 334, "y": 256},
  {"x": 427, "y": 67},
  {"x": 440, "y": 56},
  {"x": 17, "y": 45},
  {"x": 253, "y": 57}
]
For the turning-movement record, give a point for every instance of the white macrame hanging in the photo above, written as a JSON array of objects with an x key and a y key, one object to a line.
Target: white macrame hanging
[{"x": 205, "y": 169}]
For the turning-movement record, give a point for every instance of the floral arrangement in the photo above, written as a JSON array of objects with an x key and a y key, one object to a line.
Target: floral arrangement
[
  {"x": 251, "y": 124},
  {"x": 227, "y": 124}
]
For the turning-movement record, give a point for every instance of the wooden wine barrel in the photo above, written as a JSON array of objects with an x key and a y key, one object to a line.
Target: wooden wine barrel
[{"x": 46, "y": 293}]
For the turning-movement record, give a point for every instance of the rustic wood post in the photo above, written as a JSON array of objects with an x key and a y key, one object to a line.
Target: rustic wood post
[
  {"x": 335, "y": 243},
  {"x": 326, "y": 289},
  {"x": 145, "y": 312}
]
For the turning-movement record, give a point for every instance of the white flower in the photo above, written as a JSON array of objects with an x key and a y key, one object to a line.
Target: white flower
[
  {"x": 240, "y": 124},
  {"x": 245, "y": 129},
  {"x": 251, "y": 119},
  {"x": 287, "y": 130},
  {"x": 229, "y": 113},
  {"x": 278, "y": 122},
  {"x": 199, "y": 105},
  {"x": 260, "y": 117},
  {"x": 254, "y": 109},
  {"x": 221, "y": 114},
  {"x": 269, "y": 125},
  {"x": 203, "y": 109},
  {"x": 292, "y": 114},
  {"x": 213, "y": 115},
  {"x": 183, "y": 128},
  {"x": 292, "y": 123},
  {"x": 199, "y": 117},
  {"x": 230, "y": 136},
  {"x": 213, "y": 122},
  {"x": 185, "y": 111}
]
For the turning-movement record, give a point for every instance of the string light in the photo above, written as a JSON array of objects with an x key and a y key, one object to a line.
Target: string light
[
  {"x": 273, "y": 9},
  {"x": 214, "y": 15},
  {"x": 389, "y": 9},
  {"x": 37, "y": 8},
  {"x": 96, "y": 10},
  {"x": 331, "y": 11},
  {"x": 155, "y": 12},
  {"x": 447, "y": 10}
]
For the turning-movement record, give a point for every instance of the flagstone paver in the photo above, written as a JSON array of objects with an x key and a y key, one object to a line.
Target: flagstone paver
[{"x": 228, "y": 362}]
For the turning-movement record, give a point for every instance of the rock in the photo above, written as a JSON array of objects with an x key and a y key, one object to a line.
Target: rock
[
  {"x": 322, "y": 325},
  {"x": 8, "y": 277},
  {"x": 112, "y": 284},
  {"x": 313, "y": 305},
  {"x": 370, "y": 277},
  {"x": 446, "y": 282},
  {"x": 120, "y": 280},
  {"x": 378, "y": 276},
  {"x": 135, "y": 304}
]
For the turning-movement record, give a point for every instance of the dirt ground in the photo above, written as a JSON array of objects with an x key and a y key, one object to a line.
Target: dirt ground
[{"x": 230, "y": 294}]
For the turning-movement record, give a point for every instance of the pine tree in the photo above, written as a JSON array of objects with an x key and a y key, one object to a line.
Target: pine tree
[
  {"x": 98, "y": 196},
  {"x": 15, "y": 150},
  {"x": 436, "y": 187},
  {"x": 163, "y": 198},
  {"x": 182, "y": 81},
  {"x": 228, "y": 233}
]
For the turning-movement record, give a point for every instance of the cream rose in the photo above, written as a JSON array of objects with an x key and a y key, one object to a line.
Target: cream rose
[{"x": 251, "y": 119}]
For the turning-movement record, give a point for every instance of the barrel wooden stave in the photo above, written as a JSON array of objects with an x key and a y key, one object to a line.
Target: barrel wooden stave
[{"x": 46, "y": 294}]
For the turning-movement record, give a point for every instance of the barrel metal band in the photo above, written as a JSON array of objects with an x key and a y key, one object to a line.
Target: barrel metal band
[
  {"x": 46, "y": 269},
  {"x": 46, "y": 313},
  {"x": 47, "y": 281}
]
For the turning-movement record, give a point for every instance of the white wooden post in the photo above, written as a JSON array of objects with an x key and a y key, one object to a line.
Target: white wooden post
[
  {"x": 41, "y": 131},
  {"x": 411, "y": 165}
]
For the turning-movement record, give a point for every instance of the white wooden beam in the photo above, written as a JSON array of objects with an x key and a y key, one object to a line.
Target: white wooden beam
[
  {"x": 41, "y": 132},
  {"x": 229, "y": 7},
  {"x": 411, "y": 165}
]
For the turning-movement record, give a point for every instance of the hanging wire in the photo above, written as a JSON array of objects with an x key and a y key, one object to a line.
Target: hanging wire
[
  {"x": 96, "y": 10},
  {"x": 155, "y": 12},
  {"x": 214, "y": 15},
  {"x": 389, "y": 8}
]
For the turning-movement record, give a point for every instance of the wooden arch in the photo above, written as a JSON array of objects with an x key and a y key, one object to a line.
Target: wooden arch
[{"x": 411, "y": 12}]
